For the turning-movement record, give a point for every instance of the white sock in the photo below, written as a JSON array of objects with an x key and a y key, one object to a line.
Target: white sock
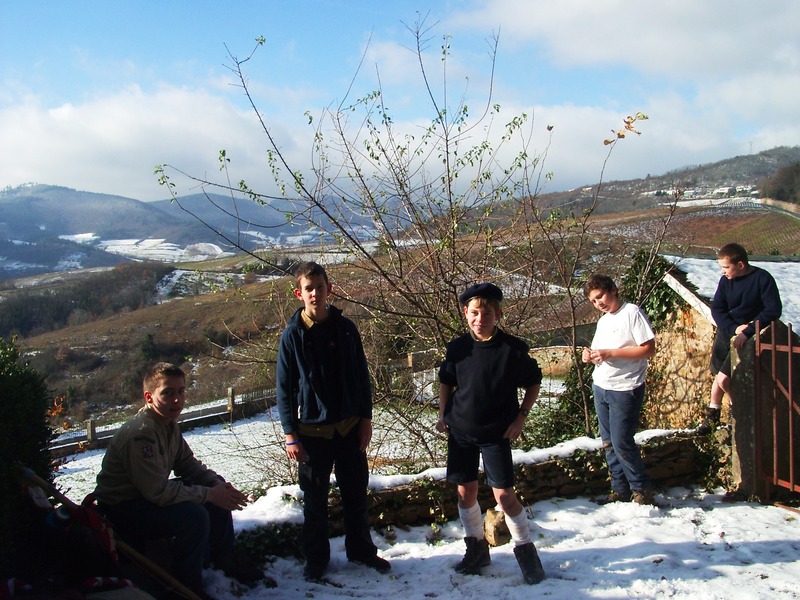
[
  {"x": 518, "y": 527},
  {"x": 472, "y": 520}
]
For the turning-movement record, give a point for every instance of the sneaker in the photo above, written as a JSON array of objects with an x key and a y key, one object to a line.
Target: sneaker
[
  {"x": 710, "y": 422},
  {"x": 529, "y": 563},
  {"x": 476, "y": 557},
  {"x": 381, "y": 565},
  {"x": 615, "y": 496},
  {"x": 644, "y": 496},
  {"x": 313, "y": 571}
]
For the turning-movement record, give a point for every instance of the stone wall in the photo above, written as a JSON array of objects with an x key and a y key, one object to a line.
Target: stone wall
[
  {"x": 678, "y": 379},
  {"x": 674, "y": 459}
]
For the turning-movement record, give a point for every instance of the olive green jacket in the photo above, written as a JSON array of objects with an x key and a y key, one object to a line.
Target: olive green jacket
[{"x": 141, "y": 458}]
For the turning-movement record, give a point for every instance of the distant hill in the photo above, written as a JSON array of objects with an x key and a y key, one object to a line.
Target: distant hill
[
  {"x": 746, "y": 171},
  {"x": 47, "y": 228},
  {"x": 221, "y": 212},
  {"x": 34, "y": 213},
  {"x": 92, "y": 355},
  {"x": 740, "y": 170}
]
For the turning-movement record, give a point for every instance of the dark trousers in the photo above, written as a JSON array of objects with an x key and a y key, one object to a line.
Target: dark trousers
[
  {"x": 352, "y": 477},
  {"x": 197, "y": 532}
]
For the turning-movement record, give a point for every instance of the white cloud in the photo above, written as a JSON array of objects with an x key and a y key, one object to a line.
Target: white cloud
[
  {"x": 683, "y": 37},
  {"x": 756, "y": 95},
  {"x": 717, "y": 79},
  {"x": 115, "y": 141}
]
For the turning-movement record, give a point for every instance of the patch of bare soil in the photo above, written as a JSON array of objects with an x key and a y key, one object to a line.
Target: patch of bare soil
[{"x": 702, "y": 231}]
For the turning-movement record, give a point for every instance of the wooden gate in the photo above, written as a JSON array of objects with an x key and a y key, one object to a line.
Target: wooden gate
[{"x": 777, "y": 409}]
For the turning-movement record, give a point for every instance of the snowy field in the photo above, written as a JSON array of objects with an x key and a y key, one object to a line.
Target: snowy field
[
  {"x": 691, "y": 546},
  {"x": 694, "y": 546}
]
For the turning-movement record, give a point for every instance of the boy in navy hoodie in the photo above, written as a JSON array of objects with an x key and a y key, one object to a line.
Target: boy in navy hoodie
[{"x": 325, "y": 405}]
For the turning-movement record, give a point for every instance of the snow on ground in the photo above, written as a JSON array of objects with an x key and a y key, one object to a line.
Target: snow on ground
[
  {"x": 168, "y": 282},
  {"x": 81, "y": 238},
  {"x": 691, "y": 546},
  {"x": 694, "y": 546},
  {"x": 150, "y": 249}
]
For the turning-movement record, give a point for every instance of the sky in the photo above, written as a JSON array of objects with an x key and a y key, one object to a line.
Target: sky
[{"x": 95, "y": 93}]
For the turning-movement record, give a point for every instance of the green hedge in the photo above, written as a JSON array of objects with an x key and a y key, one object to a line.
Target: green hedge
[{"x": 24, "y": 438}]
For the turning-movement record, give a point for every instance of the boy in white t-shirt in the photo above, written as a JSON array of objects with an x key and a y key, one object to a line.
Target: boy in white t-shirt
[{"x": 622, "y": 343}]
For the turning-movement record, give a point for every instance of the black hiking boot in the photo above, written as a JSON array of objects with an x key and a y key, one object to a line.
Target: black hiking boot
[
  {"x": 476, "y": 558},
  {"x": 381, "y": 565},
  {"x": 528, "y": 559},
  {"x": 710, "y": 421},
  {"x": 314, "y": 570}
]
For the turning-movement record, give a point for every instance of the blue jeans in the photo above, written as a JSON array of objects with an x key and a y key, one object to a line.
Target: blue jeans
[{"x": 618, "y": 415}]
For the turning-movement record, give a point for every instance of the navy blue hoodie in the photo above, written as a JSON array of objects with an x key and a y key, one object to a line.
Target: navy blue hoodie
[
  {"x": 746, "y": 299},
  {"x": 300, "y": 385}
]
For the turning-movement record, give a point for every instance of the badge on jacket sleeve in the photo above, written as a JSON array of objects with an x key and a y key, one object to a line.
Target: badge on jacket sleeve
[{"x": 147, "y": 451}]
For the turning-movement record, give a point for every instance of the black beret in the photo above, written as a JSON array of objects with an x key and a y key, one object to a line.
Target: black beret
[{"x": 481, "y": 290}]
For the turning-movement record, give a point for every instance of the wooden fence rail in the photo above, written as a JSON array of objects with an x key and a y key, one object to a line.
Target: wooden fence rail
[{"x": 227, "y": 410}]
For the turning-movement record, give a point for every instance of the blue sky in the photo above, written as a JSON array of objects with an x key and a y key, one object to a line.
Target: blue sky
[{"x": 94, "y": 94}]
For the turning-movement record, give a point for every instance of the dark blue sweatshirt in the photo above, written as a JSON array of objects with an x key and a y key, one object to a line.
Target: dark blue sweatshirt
[
  {"x": 304, "y": 382},
  {"x": 746, "y": 299}
]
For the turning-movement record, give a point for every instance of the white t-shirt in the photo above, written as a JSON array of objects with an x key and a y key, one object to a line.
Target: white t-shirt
[{"x": 626, "y": 327}]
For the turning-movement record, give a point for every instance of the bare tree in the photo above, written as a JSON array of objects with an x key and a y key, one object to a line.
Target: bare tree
[{"x": 421, "y": 214}]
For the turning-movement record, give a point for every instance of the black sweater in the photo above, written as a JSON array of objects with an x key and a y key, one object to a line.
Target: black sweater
[
  {"x": 486, "y": 376},
  {"x": 751, "y": 297}
]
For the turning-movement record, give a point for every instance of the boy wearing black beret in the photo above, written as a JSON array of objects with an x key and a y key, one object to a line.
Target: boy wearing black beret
[{"x": 480, "y": 411}]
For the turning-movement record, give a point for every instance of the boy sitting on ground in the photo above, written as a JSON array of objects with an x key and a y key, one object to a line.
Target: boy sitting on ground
[{"x": 143, "y": 503}]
